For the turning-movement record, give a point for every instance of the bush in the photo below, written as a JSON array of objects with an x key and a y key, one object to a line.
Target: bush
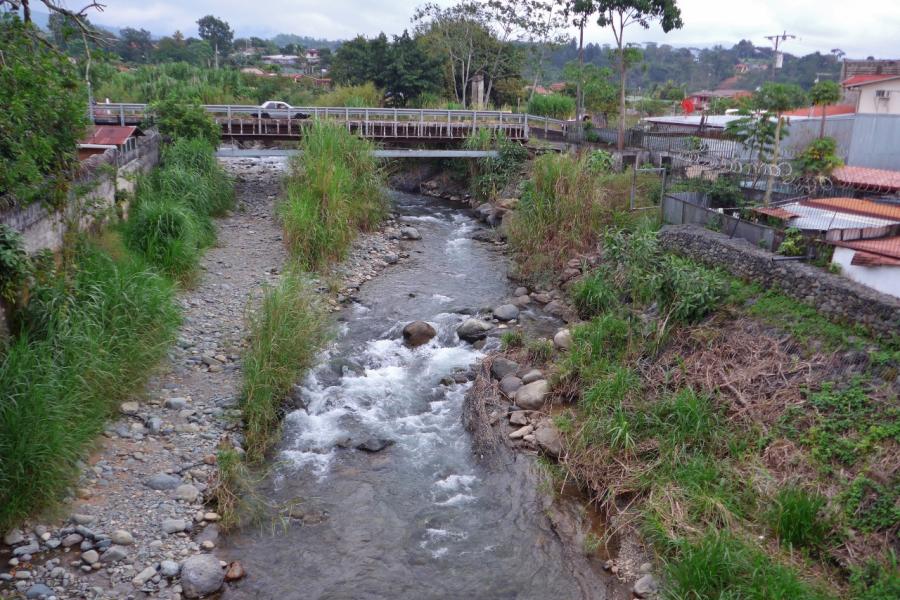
[
  {"x": 15, "y": 266},
  {"x": 594, "y": 294},
  {"x": 488, "y": 176},
  {"x": 178, "y": 118},
  {"x": 555, "y": 106},
  {"x": 600, "y": 161},
  {"x": 42, "y": 118},
  {"x": 167, "y": 234},
  {"x": 93, "y": 333},
  {"x": 334, "y": 190},
  {"x": 353, "y": 96},
  {"x": 285, "y": 335}
]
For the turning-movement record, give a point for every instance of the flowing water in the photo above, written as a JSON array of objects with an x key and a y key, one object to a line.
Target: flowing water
[{"x": 422, "y": 518}]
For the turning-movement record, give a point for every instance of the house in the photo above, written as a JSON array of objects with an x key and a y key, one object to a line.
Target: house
[
  {"x": 864, "y": 179},
  {"x": 875, "y": 94},
  {"x": 254, "y": 71},
  {"x": 703, "y": 98},
  {"x": 281, "y": 59},
  {"x": 871, "y": 262},
  {"x": 312, "y": 56},
  {"x": 104, "y": 137}
]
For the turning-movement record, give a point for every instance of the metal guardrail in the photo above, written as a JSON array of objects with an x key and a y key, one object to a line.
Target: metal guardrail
[{"x": 124, "y": 112}]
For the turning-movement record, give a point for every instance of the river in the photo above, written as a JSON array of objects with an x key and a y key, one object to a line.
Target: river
[{"x": 422, "y": 518}]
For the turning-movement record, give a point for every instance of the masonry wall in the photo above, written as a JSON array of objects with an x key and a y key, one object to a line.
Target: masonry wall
[
  {"x": 92, "y": 199},
  {"x": 833, "y": 295}
]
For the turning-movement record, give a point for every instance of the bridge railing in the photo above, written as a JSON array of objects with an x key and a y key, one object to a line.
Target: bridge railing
[{"x": 125, "y": 112}]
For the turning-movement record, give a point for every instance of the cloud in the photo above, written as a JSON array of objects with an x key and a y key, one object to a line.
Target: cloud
[{"x": 861, "y": 28}]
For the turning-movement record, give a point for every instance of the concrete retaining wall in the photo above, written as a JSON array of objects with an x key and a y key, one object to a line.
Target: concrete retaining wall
[
  {"x": 832, "y": 295},
  {"x": 92, "y": 199}
]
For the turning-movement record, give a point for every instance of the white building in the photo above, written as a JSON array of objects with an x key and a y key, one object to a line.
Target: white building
[{"x": 877, "y": 94}]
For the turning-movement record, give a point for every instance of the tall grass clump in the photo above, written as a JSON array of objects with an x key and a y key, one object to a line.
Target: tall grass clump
[
  {"x": 285, "y": 334},
  {"x": 488, "y": 176},
  {"x": 171, "y": 221},
  {"x": 555, "y": 106},
  {"x": 796, "y": 518},
  {"x": 89, "y": 337},
  {"x": 334, "y": 190}
]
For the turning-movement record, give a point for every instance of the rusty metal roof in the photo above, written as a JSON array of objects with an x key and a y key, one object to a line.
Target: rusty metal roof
[
  {"x": 857, "y": 206},
  {"x": 110, "y": 135},
  {"x": 775, "y": 211},
  {"x": 881, "y": 180},
  {"x": 887, "y": 249}
]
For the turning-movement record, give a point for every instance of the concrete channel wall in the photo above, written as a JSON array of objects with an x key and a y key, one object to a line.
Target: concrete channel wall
[{"x": 99, "y": 192}]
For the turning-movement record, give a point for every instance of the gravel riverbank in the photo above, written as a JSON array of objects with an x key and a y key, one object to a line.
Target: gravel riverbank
[{"x": 137, "y": 525}]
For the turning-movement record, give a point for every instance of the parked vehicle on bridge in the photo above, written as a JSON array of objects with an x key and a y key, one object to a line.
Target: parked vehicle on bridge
[{"x": 274, "y": 109}]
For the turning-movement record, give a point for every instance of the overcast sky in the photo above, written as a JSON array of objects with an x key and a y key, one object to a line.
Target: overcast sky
[{"x": 861, "y": 28}]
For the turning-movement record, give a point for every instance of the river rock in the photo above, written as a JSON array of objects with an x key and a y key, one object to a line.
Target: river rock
[
  {"x": 144, "y": 576},
  {"x": 473, "y": 330},
  {"x": 506, "y": 312},
  {"x": 129, "y": 408},
  {"x": 171, "y": 526},
  {"x": 201, "y": 575},
  {"x": 501, "y": 367},
  {"x": 510, "y": 384},
  {"x": 13, "y": 537},
  {"x": 114, "y": 554},
  {"x": 522, "y": 432},
  {"x": 38, "y": 590},
  {"x": 484, "y": 211},
  {"x": 418, "y": 333},
  {"x": 374, "y": 445},
  {"x": 410, "y": 233},
  {"x": 521, "y": 291},
  {"x": 90, "y": 557},
  {"x": 186, "y": 493},
  {"x": 555, "y": 308},
  {"x": 645, "y": 587},
  {"x": 518, "y": 417},
  {"x": 531, "y": 396},
  {"x": 169, "y": 568},
  {"x": 162, "y": 481},
  {"x": 521, "y": 301},
  {"x": 548, "y": 438},
  {"x": 176, "y": 403},
  {"x": 532, "y": 376},
  {"x": 235, "y": 571},
  {"x": 121, "y": 537},
  {"x": 563, "y": 339}
]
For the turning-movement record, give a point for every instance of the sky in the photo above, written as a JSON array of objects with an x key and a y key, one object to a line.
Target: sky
[{"x": 861, "y": 28}]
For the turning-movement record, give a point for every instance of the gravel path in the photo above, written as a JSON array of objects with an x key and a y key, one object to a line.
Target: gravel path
[{"x": 138, "y": 512}]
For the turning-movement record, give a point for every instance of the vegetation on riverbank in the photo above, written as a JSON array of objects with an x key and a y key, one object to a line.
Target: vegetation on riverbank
[
  {"x": 285, "y": 334},
  {"x": 171, "y": 217},
  {"x": 84, "y": 343},
  {"x": 335, "y": 189}
]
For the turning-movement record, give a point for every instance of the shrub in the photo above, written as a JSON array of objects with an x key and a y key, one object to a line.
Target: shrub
[
  {"x": 167, "y": 234},
  {"x": 87, "y": 347},
  {"x": 819, "y": 159},
  {"x": 600, "y": 161},
  {"x": 15, "y": 266},
  {"x": 353, "y": 96},
  {"x": 555, "y": 106},
  {"x": 689, "y": 291},
  {"x": 488, "y": 176},
  {"x": 285, "y": 334},
  {"x": 178, "y": 117},
  {"x": 594, "y": 294},
  {"x": 335, "y": 189}
]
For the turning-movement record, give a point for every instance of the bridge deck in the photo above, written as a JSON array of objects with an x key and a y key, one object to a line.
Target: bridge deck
[{"x": 242, "y": 122}]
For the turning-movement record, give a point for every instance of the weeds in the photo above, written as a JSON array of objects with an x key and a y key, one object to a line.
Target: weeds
[
  {"x": 285, "y": 335},
  {"x": 334, "y": 190},
  {"x": 796, "y": 518},
  {"x": 510, "y": 340},
  {"x": 89, "y": 338}
]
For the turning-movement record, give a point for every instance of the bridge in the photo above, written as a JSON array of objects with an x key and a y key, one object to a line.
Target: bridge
[{"x": 244, "y": 122}]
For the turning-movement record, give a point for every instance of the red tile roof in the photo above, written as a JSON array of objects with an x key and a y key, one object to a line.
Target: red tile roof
[
  {"x": 110, "y": 135},
  {"x": 856, "y": 206},
  {"x": 880, "y": 180},
  {"x": 816, "y": 111},
  {"x": 865, "y": 79}
]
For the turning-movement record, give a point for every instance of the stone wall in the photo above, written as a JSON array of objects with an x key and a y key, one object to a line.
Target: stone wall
[
  {"x": 92, "y": 199},
  {"x": 832, "y": 295}
]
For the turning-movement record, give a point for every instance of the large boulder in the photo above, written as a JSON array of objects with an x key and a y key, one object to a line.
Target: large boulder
[
  {"x": 510, "y": 384},
  {"x": 501, "y": 367},
  {"x": 418, "y": 333},
  {"x": 410, "y": 233},
  {"x": 201, "y": 575},
  {"x": 506, "y": 312},
  {"x": 531, "y": 396},
  {"x": 473, "y": 330}
]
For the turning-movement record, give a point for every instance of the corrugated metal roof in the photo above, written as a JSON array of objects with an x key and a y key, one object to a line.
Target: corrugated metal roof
[
  {"x": 775, "y": 211},
  {"x": 857, "y": 206},
  {"x": 812, "y": 218},
  {"x": 110, "y": 135},
  {"x": 887, "y": 247},
  {"x": 867, "y": 259},
  {"x": 871, "y": 179}
]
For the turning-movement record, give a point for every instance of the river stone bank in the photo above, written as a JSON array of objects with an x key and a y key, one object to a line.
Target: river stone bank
[{"x": 137, "y": 521}]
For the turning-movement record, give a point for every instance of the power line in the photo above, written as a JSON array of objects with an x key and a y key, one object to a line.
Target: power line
[{"x": 776, "y": 40}]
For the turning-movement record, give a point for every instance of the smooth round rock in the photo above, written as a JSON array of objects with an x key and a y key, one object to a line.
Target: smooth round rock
[
  {"x": 201, "y": 575},
  {"x": 506, "y": 312},
  {"x": 473, "y": 330},
  {"x": 532, "y": 396},
  {"x": 563, "y": 339},
  {"x": 418, "y": 333}
]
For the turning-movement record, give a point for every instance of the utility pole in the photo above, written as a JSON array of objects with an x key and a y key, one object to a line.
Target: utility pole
[{"x": 776, "y": 40}]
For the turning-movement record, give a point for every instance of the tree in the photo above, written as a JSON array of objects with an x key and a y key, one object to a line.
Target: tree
[
  {"x": 619, "y": 14},
  {"x": 598, "y": 91},
  {"x": 42, "y": 119},
  {"x": 824, "y": 94},
  {"x": 218, "y": 33},
  {"x": 777, "y": 98},
  {"x": 182, "y": 118},
  {"x": 135, "y": 45},
  {"x": 410, "y": 71},
  {"x": 580, "y": 11}
]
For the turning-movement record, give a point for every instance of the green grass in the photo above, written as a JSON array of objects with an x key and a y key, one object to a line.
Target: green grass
[
  {"x": 90, "y": 337},
  {"x": 721, "y": 566},
  {"x": 285, "y": 334},
  {"x": 594, "y": 294},
  {"x": 510, "y": 340},
  {"x": 804, "y": 322},
  {"x": 797, "y": 519},
  {"x": 171, "y": 221},
  {"x": 335, "y": 190}
]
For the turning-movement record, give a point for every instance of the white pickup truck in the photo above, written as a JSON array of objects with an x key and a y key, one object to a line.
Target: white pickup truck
[{"x": 274, "y": 109}]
